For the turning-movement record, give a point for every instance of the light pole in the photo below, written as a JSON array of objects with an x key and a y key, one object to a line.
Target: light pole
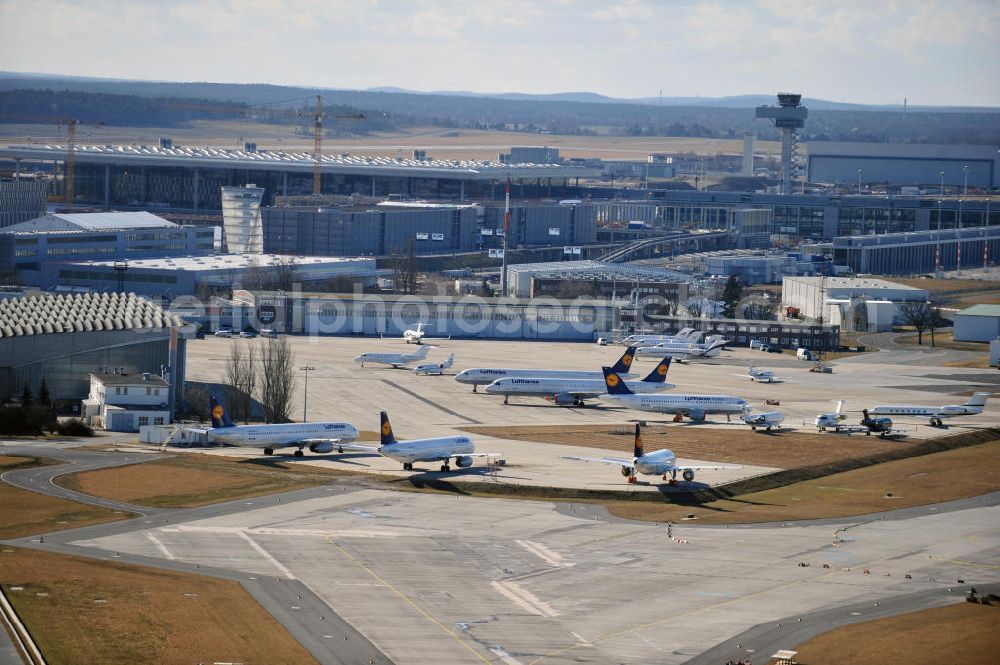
[
  {"x": 958, "y": 233},
  {"x": 941, "y": 191},
  {"x": 305, "y": 393},
  {"x": 859, "y": 182}
]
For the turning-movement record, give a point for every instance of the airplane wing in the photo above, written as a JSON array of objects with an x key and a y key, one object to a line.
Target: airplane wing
[
  {"x": 620, "y": 461},
  {"x": 358, "y": 446},
  {"x": 309, "y": 441},
  {"x": 706, "y": 467},
  {"x": 477, "y": 454}
]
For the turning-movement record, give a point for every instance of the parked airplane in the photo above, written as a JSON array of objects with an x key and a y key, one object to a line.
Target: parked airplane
[
  {"x": 684, "y": 335},
  {"x": 879, "y": 424},
  {"x": 394, "y": 359},
  {"x": 414, "y": 336},
  {"x": 972, "y": 406},
  {"x": 709, "y": 349},
  {"x": 831, "y": 420},
  {"x": 478, "y": 376},
  {"x": 435, "y": 368},
  {"x": 566, "y": 392},
  {"x": 438, "y": 449},
  {"x": 656, "y": 463},
  {"x": 695, "y": 407},
  {"x": 767, "y": 419},
  {"x": 762, "y": 375},
  {"x": 319, "y": 437}
]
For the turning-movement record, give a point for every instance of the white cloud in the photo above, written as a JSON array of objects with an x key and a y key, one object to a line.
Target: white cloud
[{"x": 932, "y": 51}]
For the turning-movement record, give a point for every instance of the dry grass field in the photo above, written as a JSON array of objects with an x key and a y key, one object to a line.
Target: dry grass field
[
  {"x": 190, "y": 480},
  {"x": 82, "y": 611},
  {"x": 960, "y": 633},
  {"x": 957, "y": 293},
  {"x": 26, "y": 513},
  {"x": 916, "y": 481},
  {"x": 737, "y": 446}
]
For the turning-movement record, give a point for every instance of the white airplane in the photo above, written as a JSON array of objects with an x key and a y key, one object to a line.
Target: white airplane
[
  {"x": 414, "y": 336},
  {"x": 656, "y": 463},
  {"x": 761, "y": 375},
  {"x": 394, "y": 359},
  {"x": 766, "y": 420},
  {"x": 684, "y": 335},
  {"x": 319, "y": 437},
  {"x": 831, "y": 420},
  {"x": 478, "y": 376},
  {"x": 439, "y": 449},
  {"x": 434, "y": 368},
  {"x": 695, "y": 407},
  {"x": 566, "y": 392},
  {"x": 972, "y": 406},
  {"x": 710, "y": 349}
]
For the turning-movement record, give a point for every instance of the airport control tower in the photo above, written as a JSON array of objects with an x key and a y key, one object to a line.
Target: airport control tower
[{"x": 789, "y": 116}]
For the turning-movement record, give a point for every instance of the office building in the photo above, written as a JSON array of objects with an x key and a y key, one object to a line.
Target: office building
[
  {"x": 811, "y": 294},
  {"x": 22, "y": 199}
]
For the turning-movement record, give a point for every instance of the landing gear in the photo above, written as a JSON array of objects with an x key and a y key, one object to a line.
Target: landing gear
[
  {"x": 505, "y": 398},
  {"x": 269, "y": 451},
  {"x": 475, "y": 387},
  {"x": 936, "y": 422},
  {"x": 445, "y": 468},
  {"x": 299, "y": 453},
  {"x": 631, "y": 480},
  {"x": 407, "y": 466}
]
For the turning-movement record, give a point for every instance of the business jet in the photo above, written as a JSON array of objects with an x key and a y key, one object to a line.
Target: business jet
[
  {"x": 478, "y": 376},
  {"x": 394, "y": 359},
  {"x": 657, "y": 463},
  {"x": 880, "y": 425},
  {"x": 695, "y": 407},
  {"x": 573, "y": 392},
  {"x": 440, "y": 449},
  {"x": 321, "y": 438},
  {"x": 972, "y": 406},
  {"x": 710, "y": 349},
  {"x": 833, "y": 420},
  {"x": 689, "y": 335},
  {"x": 414, "y": 336},
  {"x": 761, "y": 375},
  {"x": 766, "y": 420},
  {"x": 434, "y": 368}
]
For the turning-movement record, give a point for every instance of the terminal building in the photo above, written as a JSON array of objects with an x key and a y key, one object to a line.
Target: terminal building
[
  {"x": 904, "y": 164},
  {"x": 917, "y": 253},
  {"x": 66, "y": 338},
  {"x": 596, "y": 279},
  {"x": 22, "y": 199},
  {"x": 185, "y": 178}
]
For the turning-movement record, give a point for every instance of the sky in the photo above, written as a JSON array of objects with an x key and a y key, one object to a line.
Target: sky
[{"x": 873, "y": 51}]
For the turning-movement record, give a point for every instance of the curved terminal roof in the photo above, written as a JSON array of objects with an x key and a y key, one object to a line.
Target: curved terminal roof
[
  {"x": 91, "y": 221},
  {"x": 274, "y": 160},
  {"x": 81, "y": 312}
]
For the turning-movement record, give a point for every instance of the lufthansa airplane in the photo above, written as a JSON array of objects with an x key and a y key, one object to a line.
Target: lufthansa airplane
[
  {"x": 694, "y": 407},
  {"x": 657, "y": 463},
  {"x": 483, "y": 376}
]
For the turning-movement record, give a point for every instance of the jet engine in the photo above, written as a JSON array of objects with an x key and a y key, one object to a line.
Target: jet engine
[
  {"x": 697, "y": 415},
  {"x": 688, "y": 475},
  {"x": 322, "y": 447},
  {"x": 563, "y": 399},
  {"x": 463, "y": 461},
  {"x": 627, "y": 471}
]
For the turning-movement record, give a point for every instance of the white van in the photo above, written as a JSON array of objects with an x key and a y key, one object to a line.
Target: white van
[{"x": 804, "y": 354}]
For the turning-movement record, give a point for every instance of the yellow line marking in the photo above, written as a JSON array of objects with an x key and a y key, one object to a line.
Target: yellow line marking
[
  {"x": 965, "y": 563},
  {"x": 408, "y": 601}
]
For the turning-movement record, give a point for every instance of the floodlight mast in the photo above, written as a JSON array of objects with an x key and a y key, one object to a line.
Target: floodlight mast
[{"x": 789, "y": 116}]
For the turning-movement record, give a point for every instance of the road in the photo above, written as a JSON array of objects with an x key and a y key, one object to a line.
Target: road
[{"x": 309, "y": 620}]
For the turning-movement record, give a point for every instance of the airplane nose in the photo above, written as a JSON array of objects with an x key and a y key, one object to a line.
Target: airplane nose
[
  {"x": 490, "y": 388},
  {"x": 359, "y": 359}
]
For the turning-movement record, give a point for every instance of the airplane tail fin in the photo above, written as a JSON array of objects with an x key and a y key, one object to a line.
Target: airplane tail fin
[
  {"x": 422, "y": 352},
  {"x": 385, "y": 432},
  {"x": 840, "y": 406},
  {"x": 659, "y": 373},
  {"x": 977, "y": 399},
  {"x": 638, "y": 441},
  {"x": 450, "y": 361},
  {"x": 614, "y": 383},
  {"x": 219, "y": 416},
  {"x": 624, "y": 363}
]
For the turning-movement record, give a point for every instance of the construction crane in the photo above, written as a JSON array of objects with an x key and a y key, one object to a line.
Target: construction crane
[{"x": 317, "y": 126}]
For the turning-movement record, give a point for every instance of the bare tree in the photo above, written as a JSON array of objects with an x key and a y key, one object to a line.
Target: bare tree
[
  {"x": 282, "y": 274},
  {"x": 695, "y": 307},
  {"x": 196, "y": 401},
  {"x": 937, "y": 320},
  {"x": 241, "y": 375},
  {"x": 759, "y": 307},
  {"x": 919, "y": 315},
  {"x": 404, "y": 270},
  {"x": 277, "y": 379}
]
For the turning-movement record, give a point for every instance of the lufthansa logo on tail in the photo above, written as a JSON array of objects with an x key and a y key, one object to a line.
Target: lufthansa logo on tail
[
  {"x": 613, "y": 380},
  {"x": 661, "y": 370},
  {"x": 638, "y": 441},
  {"x": 217, "y": 412},
  {"x": 386, "y": 428},
  {"x": 627, "y": 360}
]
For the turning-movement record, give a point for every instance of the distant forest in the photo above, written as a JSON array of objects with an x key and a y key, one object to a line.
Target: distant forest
[{"x": 141, "y": 103}]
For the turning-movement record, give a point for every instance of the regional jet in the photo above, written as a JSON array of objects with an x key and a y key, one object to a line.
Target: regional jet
[
  {"x": 682, "y": 350},
  {"x": 394, "y": 359},
  {"x": 656, "y": 463},
  {"x": 766, "y": 420},
  {"x": 479, "y": 376},
  {"x": 414, "y": 336},
  {"x": 760, "y": 375},
  {"x": 695, "y": 407},
  {"x": 440, "y": 449},
  {"x": 434, "y": 368},
  {"x": 321, "y": 438},
  {"x": 686, "y": 335},
  {"x": 572, "y": 392},
  {"x": 972, "y": 406}
]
